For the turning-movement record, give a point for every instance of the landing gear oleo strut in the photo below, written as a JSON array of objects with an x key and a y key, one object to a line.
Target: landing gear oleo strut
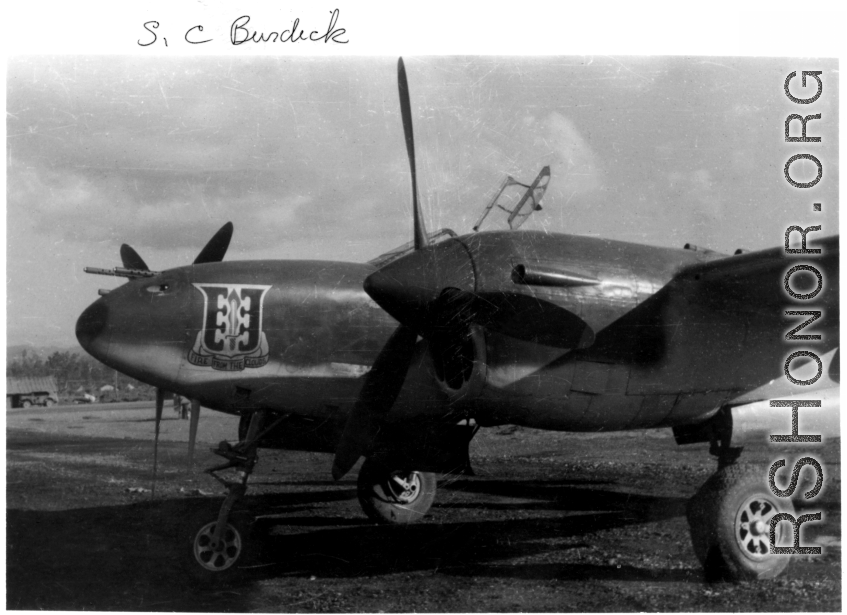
[{"x": 218, "y": 547}]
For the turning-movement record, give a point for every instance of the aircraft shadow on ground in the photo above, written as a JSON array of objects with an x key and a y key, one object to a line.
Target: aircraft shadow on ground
[
  {"x": 564, "y": 495},
  {"x": 132, "y": 557}
]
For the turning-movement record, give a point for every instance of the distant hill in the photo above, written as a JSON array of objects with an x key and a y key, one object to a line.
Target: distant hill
[{"x": 42, "y": 352}]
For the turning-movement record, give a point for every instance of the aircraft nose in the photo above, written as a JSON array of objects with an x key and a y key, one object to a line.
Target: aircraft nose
[
  {"x": 91, "y": 324},
  {"x": 408, "y": 287}
]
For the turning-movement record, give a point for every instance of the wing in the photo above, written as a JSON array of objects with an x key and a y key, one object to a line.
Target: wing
[
  {"x": 755, "y": 282},
  {"x": 721, "y": 325}
]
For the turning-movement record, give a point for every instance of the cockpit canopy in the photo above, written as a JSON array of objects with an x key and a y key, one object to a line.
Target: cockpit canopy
[{"x": 409, "y": 247}]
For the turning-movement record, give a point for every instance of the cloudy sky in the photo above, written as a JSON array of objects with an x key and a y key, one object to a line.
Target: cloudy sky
[{"x": 307, "y": 158}]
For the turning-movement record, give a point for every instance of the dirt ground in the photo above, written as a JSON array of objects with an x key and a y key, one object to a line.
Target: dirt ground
[{"x": 551, "y": 522}]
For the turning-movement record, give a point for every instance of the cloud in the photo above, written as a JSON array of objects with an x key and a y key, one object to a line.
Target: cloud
[
  {"x": 570, "y": 154},
  {"x": 696, "y": 190},
  {"x": 464, "y": 154},
  {"x": 163, "y": 150},
  {"x": 699, "y": 205}
]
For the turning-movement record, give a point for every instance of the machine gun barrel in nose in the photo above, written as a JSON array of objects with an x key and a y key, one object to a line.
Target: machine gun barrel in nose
[{"x": 122, "y": 272}]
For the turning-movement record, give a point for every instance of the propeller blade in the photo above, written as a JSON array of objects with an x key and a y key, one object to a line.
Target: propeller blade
[
  {"x": 379, "y": 392},
  {"x": 421, "y": 239},
  {"x": 192, "y": 430},
  {"x": 215, "y": 250},
  {"x": 131, "y": 259},
  {"x": 160, "y": 403}
]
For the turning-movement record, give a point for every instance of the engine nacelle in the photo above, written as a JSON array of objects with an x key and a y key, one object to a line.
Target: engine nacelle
[
  {"x": 758, "y": 421},
  {"x": 459, "y": 362}
]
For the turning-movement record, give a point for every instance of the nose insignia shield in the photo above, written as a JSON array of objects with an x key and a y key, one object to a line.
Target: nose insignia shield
[{"x": 231, "y": 338}]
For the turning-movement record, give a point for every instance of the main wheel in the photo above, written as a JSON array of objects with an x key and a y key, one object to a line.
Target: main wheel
[
  {"x": 49, "y": 403},
  {"x": 395, "y": 496},
  {"x": 26, "y": 403},
  {"x": 208, "y": 562},
  {"x": 729, "y": 518}
]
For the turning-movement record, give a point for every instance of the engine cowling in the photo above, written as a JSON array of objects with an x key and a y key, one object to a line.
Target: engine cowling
[{"x": 459, "y": 361}]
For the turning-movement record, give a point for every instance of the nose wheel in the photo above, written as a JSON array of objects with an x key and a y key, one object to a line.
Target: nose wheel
[
  {"x": 394, "y": 496},
  {"x": 217, "y": 558},
  {"x": 221, "y": 554}
]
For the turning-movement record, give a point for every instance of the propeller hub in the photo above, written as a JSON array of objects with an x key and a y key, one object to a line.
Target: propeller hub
[{"x": 409, "y": 287}]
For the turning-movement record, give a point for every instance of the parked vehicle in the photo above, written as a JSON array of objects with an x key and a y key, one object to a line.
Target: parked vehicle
[{"x": 27, "y": 392}]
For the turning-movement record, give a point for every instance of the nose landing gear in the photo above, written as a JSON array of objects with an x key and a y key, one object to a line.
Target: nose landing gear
[{"x": 217, "y": 549}]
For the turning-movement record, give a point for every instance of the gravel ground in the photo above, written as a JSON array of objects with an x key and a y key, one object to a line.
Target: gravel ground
[{"x": 551, "y": 522}]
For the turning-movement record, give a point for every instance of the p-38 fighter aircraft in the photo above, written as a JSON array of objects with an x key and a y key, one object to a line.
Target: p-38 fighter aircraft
[{"x": 400, "y": 360}]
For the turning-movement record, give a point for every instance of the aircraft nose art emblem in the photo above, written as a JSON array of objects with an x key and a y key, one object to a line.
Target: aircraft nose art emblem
[{"x": 231, "y": 338}]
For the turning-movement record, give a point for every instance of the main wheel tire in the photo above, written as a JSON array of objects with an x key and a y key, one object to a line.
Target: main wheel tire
[
  {"x": 26, "y": 403},
  {"x": 206, "y": 564},
  {"x": 394, "y": 496},
  {"x": 729, "y": 518},
  {"x": 49, "y": 403}
]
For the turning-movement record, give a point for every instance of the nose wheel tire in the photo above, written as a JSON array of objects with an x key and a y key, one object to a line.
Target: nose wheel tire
[
  {"x": 729, "y": 519},
  {"x": 217, "y": 557},
  {"x": 209, "y": 562},
  {"x": 394, "y": 496}
]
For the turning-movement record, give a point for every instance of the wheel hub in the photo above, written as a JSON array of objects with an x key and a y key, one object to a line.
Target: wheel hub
[
  {"x": 405, "y": 488},
  {"x": 752, "y": 527},
  {"x": 218, "y": 555}
]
